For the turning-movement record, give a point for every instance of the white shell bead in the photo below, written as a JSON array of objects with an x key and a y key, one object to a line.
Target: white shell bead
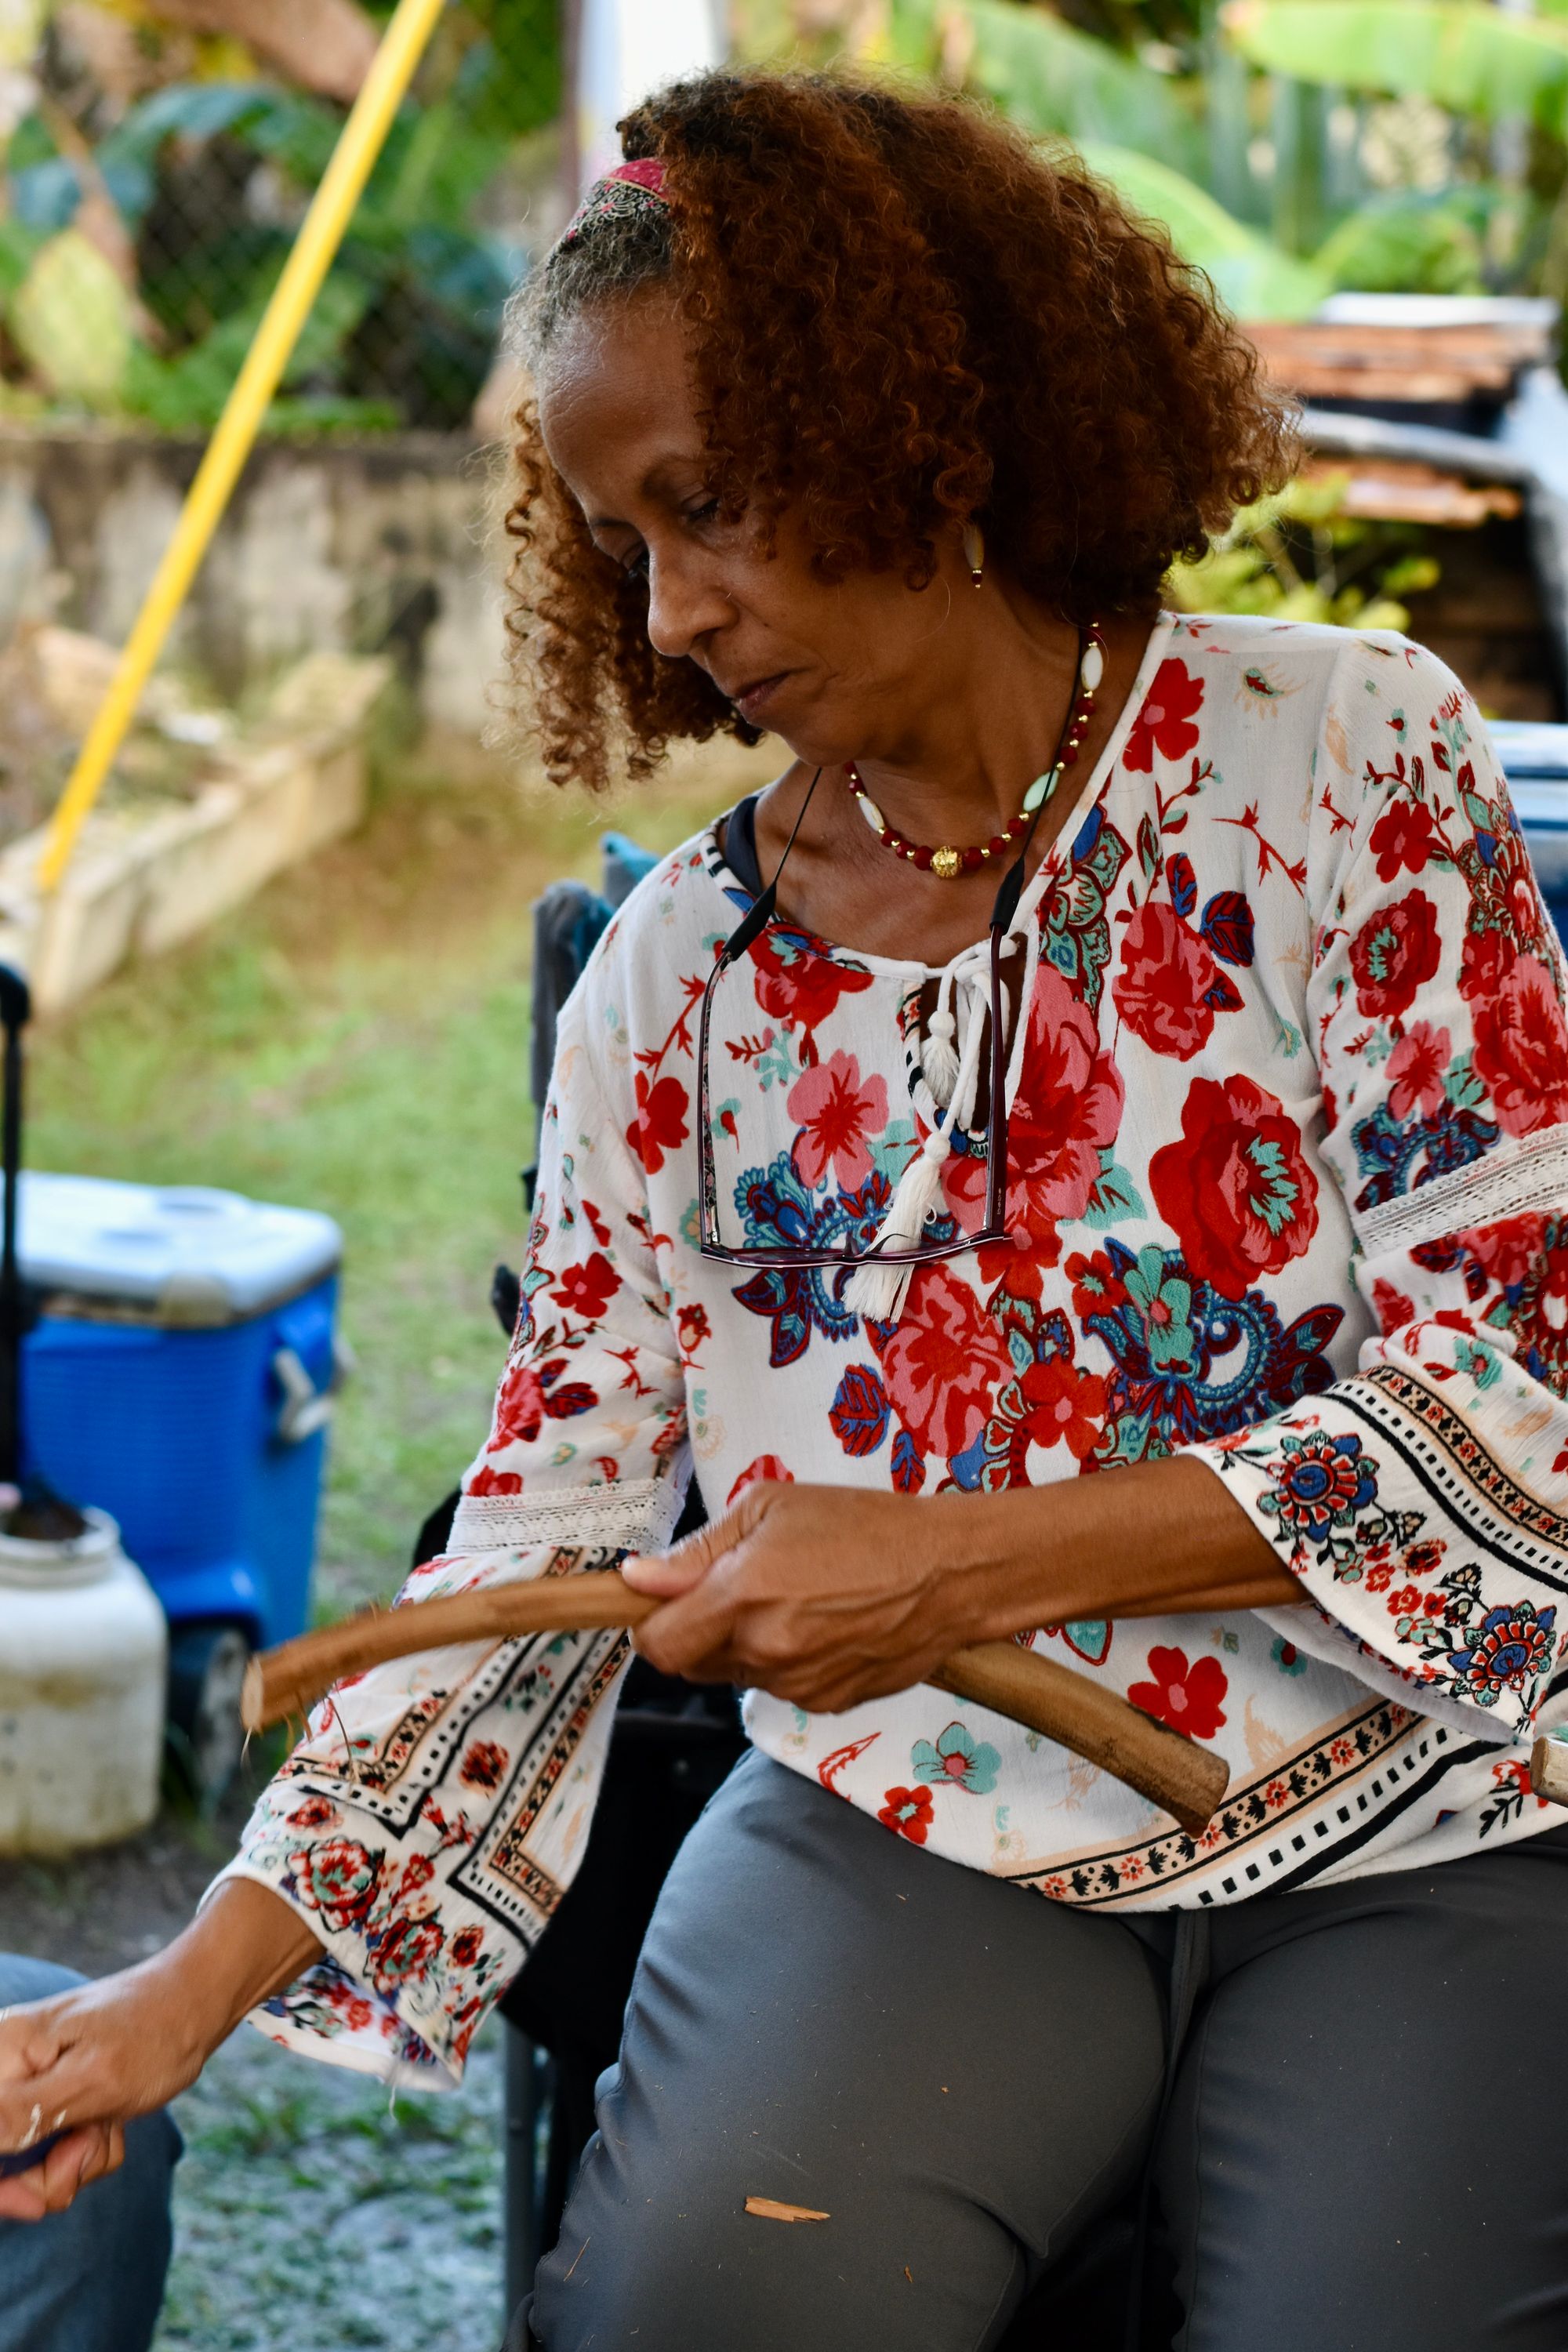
[
  {"x": 871, "y": 812},
  {"x": 1092, "y": 669},
  {"x": 1040, "y": 789}
]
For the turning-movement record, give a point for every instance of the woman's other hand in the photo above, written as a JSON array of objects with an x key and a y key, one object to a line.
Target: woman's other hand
[
  {"x": 84, "y": 2063},
  {"x": 824, "y": 1595}
]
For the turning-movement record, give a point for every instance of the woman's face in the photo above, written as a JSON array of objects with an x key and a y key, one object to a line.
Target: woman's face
[{"x": 841, "y": 670}]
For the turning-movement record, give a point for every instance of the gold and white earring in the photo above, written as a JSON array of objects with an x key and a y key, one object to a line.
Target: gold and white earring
[{"x": 975, "y": 550}]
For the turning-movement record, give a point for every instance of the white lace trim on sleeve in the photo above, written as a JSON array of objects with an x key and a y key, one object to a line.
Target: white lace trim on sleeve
[
  {"x": 1519, "y": 1176},
  {"x": 624, "y": 1515}
]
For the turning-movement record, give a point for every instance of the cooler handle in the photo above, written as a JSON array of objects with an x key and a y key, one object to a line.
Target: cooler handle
[{"x": 305, "y": 1408}]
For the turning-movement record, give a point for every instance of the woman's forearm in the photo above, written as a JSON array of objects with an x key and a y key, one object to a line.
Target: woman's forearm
[
  {"x": 243, "y": 1945},
  {"x": 1161, "y": 1539}
]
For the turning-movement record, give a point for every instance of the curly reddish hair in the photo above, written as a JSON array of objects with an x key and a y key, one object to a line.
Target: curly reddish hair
[{"x": 903, "y": 315}]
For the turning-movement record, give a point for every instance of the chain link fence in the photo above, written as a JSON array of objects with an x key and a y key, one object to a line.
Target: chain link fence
[{"x": 156, "y": 171}]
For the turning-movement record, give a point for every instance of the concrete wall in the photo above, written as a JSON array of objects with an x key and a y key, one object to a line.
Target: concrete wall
[{"x": 358, "y": 547}]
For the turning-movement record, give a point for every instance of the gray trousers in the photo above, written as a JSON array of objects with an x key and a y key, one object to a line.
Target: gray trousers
[{"x": 1342, "y": 2113}]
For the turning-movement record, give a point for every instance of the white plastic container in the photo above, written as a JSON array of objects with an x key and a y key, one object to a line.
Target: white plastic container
[{"x": 83, "y": 1666}]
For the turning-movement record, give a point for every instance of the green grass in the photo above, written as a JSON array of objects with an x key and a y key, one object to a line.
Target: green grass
[{"x": 357, "y": 1041}]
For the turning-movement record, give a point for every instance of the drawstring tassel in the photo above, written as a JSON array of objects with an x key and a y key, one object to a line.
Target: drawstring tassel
[
  {"x": 938, "y": 1056},
  {"x": 878, "y": 1291}
]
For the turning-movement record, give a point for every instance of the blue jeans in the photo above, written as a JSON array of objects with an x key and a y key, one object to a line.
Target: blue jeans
[{"x": 89, "y": 2279}]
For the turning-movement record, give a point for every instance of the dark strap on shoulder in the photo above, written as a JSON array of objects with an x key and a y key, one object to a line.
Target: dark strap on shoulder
[{"x": 741, "y": 844}]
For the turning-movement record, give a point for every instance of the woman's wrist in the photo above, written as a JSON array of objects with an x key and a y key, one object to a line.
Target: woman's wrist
[{"x": 1150, "y": 1540}]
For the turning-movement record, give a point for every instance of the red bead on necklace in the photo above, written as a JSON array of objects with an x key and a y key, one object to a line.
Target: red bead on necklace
[{"x": 947, "y": 863}]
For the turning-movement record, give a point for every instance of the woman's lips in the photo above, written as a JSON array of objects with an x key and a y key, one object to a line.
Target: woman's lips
[{"x": 753, "y": 699}]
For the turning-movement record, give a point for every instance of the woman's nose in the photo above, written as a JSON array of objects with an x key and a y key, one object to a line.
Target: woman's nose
[{"x": 683, "y": 606}]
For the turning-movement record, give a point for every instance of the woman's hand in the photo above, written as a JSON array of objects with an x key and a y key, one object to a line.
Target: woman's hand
[
  {"x": 829, "y": 1595},
  {"x": 84, "y": 2063},
  {"x": 824, "y": 1595}
]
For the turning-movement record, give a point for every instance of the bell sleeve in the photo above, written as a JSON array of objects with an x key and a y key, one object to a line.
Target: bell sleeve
[
  {"x": 437, "y": 1806},
  {"x": 1421, "y": 1500}
]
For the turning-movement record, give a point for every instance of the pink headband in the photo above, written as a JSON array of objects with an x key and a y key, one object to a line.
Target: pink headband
[
  {"x": 630, "y": 188},
  {"x": 647, "y": 172}
]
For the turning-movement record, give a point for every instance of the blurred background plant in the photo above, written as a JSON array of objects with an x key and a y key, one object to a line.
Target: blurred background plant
[
  {"x": 1299, "y": 556},
  {"x": 158, "y": 155},
  {"x": 1294, "y": 147}
]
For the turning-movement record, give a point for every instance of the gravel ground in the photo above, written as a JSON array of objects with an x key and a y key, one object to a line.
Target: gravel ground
[{"x": 310, "y": 2212}]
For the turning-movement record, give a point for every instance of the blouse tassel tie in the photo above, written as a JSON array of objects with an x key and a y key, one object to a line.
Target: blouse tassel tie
[{"x": 879, "y": 1291}]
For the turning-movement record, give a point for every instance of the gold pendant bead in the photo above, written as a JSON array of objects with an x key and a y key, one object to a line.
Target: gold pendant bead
[{"x": 945, "y": 864}]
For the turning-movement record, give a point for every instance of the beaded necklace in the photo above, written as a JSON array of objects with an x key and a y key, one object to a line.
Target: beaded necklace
[{"x": 946, "y": 862}]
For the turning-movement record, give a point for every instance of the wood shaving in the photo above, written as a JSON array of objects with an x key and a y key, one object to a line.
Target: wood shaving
[{"x": 768, "y": 2208}]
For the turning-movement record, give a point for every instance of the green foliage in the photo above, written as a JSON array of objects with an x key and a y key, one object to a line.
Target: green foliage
[
  {"x": 1250, "y": 273},
  {"x": 1472, "y": 58},
  {"x": 1049, "y": 77},
  {"x": 1408, "y": 245},
  {"x": 1298, "y": 556},
  {"x": 212, "y": 178}
]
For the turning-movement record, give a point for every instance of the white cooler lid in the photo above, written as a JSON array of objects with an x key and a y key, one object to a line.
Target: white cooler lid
[{"x": 183, "y": 1253}]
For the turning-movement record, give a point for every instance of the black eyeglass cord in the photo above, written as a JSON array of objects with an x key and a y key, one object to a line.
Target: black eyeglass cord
[{"x": 760, "y": 913}]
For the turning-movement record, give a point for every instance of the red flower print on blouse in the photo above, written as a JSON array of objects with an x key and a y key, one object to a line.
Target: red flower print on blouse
[
  {"x": 586, "y": 1290},
  {"x": 1394, "y": 954},
  {"x": 1067, "y": 1109},
  {"x": 796, "y": 980},
  {"x": 1487, "y": 959},
  {"x": 403, "y": 1953},
  {"x": 1401, "y": 840},
  {"x": 908, "y": 1811},
  {"x": 1165, "y": 973},
  {"x": 1186, "y": 1697},
  {"x": 660, "y": 1123},
  {"x": 1392, "y": 1307},
  {"x": 1164, "y": 722},
  {"x": 1417, "y": 1069},
  {"x": 1065, "y": 1405},
  {"x": 837, "y": 1112},
  {"x": 1511, "y": 1251},
  {"x": 520, "y": 1409},
  {"x": 1236, "y": 1188},
  {"x": 338, "y": 1880},
  {"x": 766, "y": 1465},
  {"x": 1522, "y": 1050},
  {"x": 465, "y": 1947},
  {"x": 942, "y": 1363},
  {"x": 484, "y": 1765},
  {"x": 486, "y": 1481}
]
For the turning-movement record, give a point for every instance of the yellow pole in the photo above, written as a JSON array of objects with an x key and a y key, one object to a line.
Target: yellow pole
[{"x": 321, "y": 234}]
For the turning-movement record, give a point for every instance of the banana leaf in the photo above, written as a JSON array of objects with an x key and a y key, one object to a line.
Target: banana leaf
[
  {"x": 1255, "y": 278},
  {"x": 71, "y": 320},
  {"x": 1047, "y": 77},
  {"x": 1471, "y": 59}
]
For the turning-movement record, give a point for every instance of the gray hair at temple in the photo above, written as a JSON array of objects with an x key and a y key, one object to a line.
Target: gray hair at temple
[{"x": 620, "y": 239}]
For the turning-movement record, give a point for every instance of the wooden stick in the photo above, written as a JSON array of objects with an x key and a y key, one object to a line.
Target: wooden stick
[
  {"x": 1549, "y": 1768},
  {"x": 1183, "y": 1779}
]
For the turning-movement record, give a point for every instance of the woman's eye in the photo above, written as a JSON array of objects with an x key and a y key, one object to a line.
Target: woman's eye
[
  {"x": 707, "y": 512},
  {"x": 637, "y": 565}
]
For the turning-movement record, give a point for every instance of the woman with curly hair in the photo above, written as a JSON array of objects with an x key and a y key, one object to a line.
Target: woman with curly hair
[{"x": 1117, "y": 1044}]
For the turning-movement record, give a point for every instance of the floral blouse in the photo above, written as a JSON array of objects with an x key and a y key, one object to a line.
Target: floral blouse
[{"x": 1287, "y": 1166}]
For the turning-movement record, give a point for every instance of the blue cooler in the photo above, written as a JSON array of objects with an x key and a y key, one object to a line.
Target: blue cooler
[
  {"x": 1535, "y": 762},
  {"x": 181, "y": 1378}
]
